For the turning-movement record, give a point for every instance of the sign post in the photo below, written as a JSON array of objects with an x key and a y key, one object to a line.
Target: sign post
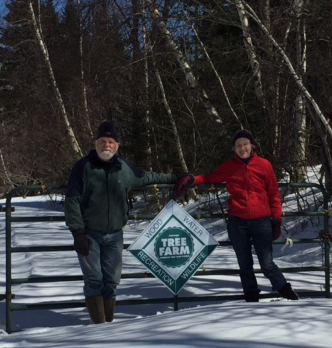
[{"x": 173, "y": 246}]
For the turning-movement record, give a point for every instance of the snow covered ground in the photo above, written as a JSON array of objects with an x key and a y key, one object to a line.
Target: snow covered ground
[{"x": 231, "y": 324}]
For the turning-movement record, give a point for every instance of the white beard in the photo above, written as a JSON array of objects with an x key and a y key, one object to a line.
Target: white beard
[{"x": 105, "y": 155}]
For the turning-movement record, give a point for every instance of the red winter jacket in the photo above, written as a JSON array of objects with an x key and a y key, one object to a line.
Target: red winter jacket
[{"x": 252, "y": 187}]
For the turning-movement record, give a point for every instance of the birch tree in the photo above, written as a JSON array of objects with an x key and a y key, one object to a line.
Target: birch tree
[
  {"x": 289, "y": 65},
  {"x": 139, "y": 97},
  {"x": 300, "y": 102},
  {"x": 216, "y": 74},
  {"x": 185, "y": 66},
  {"x": 73, "y": 141},
  {"x": 176, "y": 135},
  {"x": 6, "y": 177},
  {"x": 147, "y": 120},
  {"x": 250, "y": 48},
  {"x": 322, "y": 124},
  {"x": 84, "y": 89}
]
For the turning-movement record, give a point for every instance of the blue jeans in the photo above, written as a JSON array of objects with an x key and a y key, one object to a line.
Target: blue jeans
[
  {"x": 102, "y": 267},
  {"x": 258, "y": 232}
]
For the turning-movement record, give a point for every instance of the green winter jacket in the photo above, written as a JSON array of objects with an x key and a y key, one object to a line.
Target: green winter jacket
[{"x": 97, "y": 192}]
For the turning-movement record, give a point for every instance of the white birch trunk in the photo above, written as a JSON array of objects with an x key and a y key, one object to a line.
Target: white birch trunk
[
  {"x": 5, "y": 171},
  {"x": 85, "y": 99},
  {"x": 265, "y": 12},
  {"x": 183, "y": 63},
  {"x": 300, "y": 107},
  {"x": 325, "y": 152},
  {"x": 217, "y": 76},
  {"x": 171, "y": 117},
  {"x": 254, "y": 63},
  {"x": 147, "y": 120},
  {"x": 290, "y": 67},
  {"x": 74, "y": 144},
  {"x": 7, "y": 178}
]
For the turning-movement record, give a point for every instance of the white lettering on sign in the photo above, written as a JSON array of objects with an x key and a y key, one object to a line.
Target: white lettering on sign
[
  {"x": 194, "y": 265},
  {"x": 153, "y": 229},
  {"x": 171, "y": 251},
  {"x": 155, "y": 268},
  {"x": 194, "y": 228},
  {"x": 174, "y": 246},
  {"x": 174, "y": 241}
]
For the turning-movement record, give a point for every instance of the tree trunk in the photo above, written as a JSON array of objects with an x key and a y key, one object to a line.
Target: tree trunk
[
  {"x": 217, "y": 76},
  {"x": 254, "y": 63},
  {"x": 147, "y": 120},
  {"x": 325, "y": 153},
  {"x": 290, "y": 67},
  {"x": 184, "y": 166},
  {"x": 300, "y": 102},
  {"x": 5, "y": 171},
  {"x": 85, "y": 99},
  {"x": 183, "y": 63},
  {"x": 74, "y": 144}
]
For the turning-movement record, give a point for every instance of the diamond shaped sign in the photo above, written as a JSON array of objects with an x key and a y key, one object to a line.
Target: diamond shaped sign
[{"x": 173, "y": 246}]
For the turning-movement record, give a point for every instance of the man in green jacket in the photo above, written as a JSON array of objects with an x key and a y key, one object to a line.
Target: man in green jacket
[{"x": 96, "y": 210}]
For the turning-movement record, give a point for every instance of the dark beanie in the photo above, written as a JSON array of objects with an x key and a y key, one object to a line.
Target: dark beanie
[
  {"x": 108, "y": 130},
  {"x": 243, "y": 133}
]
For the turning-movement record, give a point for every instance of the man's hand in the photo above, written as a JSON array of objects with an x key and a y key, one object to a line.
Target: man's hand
[
  {"x": 179, "y": 187},
  {"x": 276, "y": 229},
  {"x": 81, "y": 242}
]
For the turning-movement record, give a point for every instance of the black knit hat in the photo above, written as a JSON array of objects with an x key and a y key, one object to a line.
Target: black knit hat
[
  {"x": 108, "y": 130},
  {"x": 243, "y": 133}
]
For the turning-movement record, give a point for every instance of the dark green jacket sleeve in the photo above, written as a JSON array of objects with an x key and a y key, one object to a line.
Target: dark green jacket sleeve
[
  {"x": 140, "y": 177},
  {"x": 75, "y": 188}
]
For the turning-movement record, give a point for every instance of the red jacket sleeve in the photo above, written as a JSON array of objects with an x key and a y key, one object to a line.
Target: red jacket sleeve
[
  {"x": 273, "y": 193},
  {"x": 217, "y": 176}
]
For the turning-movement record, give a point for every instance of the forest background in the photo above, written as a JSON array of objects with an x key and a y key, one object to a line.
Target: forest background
[{"x": 177, "y": 77}]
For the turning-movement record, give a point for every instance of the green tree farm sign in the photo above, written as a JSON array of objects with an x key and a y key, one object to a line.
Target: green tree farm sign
[{"x": 173, "y": 246}]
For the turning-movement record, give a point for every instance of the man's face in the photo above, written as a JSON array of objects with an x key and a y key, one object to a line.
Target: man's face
[
  {"x": 242, "y": 147},
  {"x": 106, "y": 148}
]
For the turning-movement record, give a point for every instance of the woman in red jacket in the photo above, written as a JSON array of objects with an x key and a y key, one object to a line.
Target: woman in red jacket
[{"x": 254, "y": 213}]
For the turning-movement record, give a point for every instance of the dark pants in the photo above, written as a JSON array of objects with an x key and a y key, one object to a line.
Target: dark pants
[{"x": 258, "y": 233}]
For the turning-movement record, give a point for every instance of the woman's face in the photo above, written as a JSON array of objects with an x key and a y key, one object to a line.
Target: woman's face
[{"x": 243, "y": 148}]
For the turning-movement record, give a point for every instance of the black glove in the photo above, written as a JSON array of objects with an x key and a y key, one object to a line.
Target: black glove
[
  {"x": 182, "y": 182},
  {"x": 81, "y": 242},
  {"x": 276, "y": 229}
]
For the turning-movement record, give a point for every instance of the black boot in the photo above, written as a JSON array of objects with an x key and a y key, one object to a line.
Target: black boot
[
  {"x": 252, "y": 296},
  {"x": 287, "y": 292}
]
